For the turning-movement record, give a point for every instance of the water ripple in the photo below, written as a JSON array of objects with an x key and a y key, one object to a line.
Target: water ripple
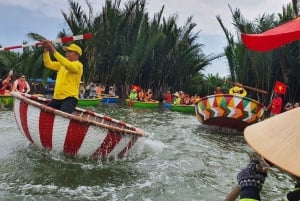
[{"x": 179, "y": 160}]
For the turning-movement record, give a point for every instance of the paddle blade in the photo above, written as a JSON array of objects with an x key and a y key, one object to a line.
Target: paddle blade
[
  {"x": 277, "y": 139},
  {"x": 273, "y": 38}
]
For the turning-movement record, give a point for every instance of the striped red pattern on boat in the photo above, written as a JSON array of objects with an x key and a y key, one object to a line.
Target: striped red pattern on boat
[
  {"x": 111, "y": 140},
  {"x": 75, "y": 135},
  {"x": 46, "y": 129},
  {"x": 71, "y": 135},
  {"x": 23, "y": 118},
  {"x": 129, "y": 145}
]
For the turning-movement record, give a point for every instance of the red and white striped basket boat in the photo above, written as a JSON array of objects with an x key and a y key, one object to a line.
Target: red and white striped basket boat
[{"x": 82, "y": 134}]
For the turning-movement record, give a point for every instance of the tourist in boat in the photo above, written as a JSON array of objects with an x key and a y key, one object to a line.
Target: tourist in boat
[
  {"x": 177, "y": 99},
  {"x": 21, "y": 85},
  {"x": 81, "y": 90},
  {"x": 90, "y": 90},
  {"x": 181, "y": 96},
  {"x": 238, "y": 90},
  {"x": 133, "y": 95},
  {"x": 100, "y": 89},
  {"x": 288, "y": 106},
  {"x": 7, "y": 83},
  {"x": 69, "y": 72},
  {"x": 218, "y": 90},
  {"x": 187, "y": 99},
  {"x": 168, "y": 97},
  {"x": 141, "y": 95},
  {"x": 148, "y": 95},
  {"x": 195, "y": 98},
  {"x": 112, "y": 91},
  {"x": 296, "y": 104},
  {"x": 276, "y": 105}
]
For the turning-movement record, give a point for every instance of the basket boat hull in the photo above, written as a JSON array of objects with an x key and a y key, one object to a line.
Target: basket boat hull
[
  {"x": 89, "y": 102},
  {"x": 179, "y": 108},
  {"x": 183, "y": 108},
  {"x": 110, "y": 99},
  {"x": 81, "y": 134},
  {"x": 142, "y": 104},
  {"x": 229, "y": 111}
]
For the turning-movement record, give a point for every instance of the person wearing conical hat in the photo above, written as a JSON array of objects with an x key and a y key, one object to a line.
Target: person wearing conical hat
[
  {"x": 177, "y": 98},
  {"x": 69, "y": 71},
  {"x": 238, "y": 90},
  {"x": 276, "y": 140}
]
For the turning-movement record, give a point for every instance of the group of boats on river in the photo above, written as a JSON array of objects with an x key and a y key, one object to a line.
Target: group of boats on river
[{"x": 85, "y": 133}]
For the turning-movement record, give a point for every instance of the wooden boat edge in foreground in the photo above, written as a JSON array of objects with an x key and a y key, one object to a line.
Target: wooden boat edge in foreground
[{"x": 277, "y": 140}]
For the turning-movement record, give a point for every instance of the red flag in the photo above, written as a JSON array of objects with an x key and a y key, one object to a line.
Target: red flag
[
  {"x": 273, "y": 38},
  {"x": 280, "y": 87}
]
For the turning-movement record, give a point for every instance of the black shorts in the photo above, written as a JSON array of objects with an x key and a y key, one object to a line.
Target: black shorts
[{"x": 66, "y": 105}]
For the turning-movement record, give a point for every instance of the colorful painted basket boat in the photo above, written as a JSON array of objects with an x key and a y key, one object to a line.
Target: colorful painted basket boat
[
  {"x": 6, "y": 100},
  {"x": 229, "y": 111},
  {"x": 82, "y": 134},
  {"x": 142, "y": 104},
  {"x": 89, "y": 101}
]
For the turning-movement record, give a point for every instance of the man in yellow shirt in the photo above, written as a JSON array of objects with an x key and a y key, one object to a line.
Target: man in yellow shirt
[{"x": 69, "y": 71}]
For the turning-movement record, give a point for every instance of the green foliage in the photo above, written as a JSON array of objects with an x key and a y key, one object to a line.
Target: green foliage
[{"x": 128, "y": 48}]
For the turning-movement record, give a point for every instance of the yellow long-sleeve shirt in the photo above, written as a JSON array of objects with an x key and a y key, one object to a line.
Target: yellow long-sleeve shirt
[{"x": 68, "y": 75}]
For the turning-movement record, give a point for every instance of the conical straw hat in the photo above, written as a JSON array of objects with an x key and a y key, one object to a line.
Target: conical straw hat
[{"x": 277, "y": 139}]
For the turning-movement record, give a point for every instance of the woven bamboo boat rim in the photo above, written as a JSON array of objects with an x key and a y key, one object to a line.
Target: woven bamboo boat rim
[
  {"x": 143, "y": 102},
  {"x": 277, "y": 139},
  {"x": 91, "y": 117},
  {"x": 230, "y": 95},
  {"x": 90, "y": 99}
]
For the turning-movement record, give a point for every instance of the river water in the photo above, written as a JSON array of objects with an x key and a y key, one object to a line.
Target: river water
[{"x": 181, "y": 160}]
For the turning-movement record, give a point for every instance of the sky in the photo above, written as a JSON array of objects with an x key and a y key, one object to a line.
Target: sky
[{"x": 20, "y": 17}]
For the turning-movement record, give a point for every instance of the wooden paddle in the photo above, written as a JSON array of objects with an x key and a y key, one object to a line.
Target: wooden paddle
[
  {"x": 234, "y": 194},
  {"x": 248, "y": 87},
  {"x": 66, "y": 39}
]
